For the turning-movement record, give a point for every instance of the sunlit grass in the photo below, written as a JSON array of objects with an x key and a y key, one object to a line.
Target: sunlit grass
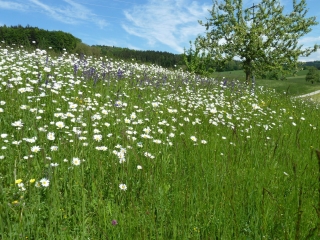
[
  {"x": 292, "y": 86},
  {"x": 102, "y": 149},
  {"x": 314, "y": 97}
]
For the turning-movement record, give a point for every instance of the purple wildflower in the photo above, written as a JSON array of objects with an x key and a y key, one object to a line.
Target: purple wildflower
[
  {"x": 119, "y": 73},
  {"x": 75, "y": 68}
]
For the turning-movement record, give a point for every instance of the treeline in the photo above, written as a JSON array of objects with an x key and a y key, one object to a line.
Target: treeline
[
  {"x": 58, "y": 41},
  {"x": 164, "y": 59},
  {"x": 34, "y": 37},
  {"x": 315, "y": 64}
]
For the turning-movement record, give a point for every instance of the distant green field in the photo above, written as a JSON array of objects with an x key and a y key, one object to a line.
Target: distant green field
[
  {"x": 294, "y": 85},
  {"x": 302, "y": 73}
]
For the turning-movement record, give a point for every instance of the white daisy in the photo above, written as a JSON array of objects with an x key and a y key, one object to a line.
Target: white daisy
[
  {"x": 35, "y": 149},
  {"x": 45, "y": 182},
  {"x": 60, "y": 125},
  {"x": 123, "y": 187},
  {"x": 50, "y": 136},
  {"x": 76, "y": 161}
]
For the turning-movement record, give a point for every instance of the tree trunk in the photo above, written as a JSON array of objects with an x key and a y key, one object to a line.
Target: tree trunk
[
  {"x": 248, "y": 71},
  {"x": 248, "y": 76}
]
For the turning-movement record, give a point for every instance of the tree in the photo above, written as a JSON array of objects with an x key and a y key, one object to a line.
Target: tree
[
  {"x": 266, "y": 42},
  {"x": 312, "y": 75},
  {"x": 196, "y": 61}
]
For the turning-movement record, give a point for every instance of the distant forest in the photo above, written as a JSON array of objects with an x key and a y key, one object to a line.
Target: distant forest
[
  {"x": 34, "y": 37},
  {"x": 59, "y": 41},
  {"x": 164, "y": 59},
  {"x": 312, "y": 64}
]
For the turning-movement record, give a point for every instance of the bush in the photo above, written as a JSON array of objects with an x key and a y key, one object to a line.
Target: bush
[{"x": 313, "y": 75}]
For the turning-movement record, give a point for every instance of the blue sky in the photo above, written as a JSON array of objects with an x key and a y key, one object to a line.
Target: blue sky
[{"x": 160, "y": 25}]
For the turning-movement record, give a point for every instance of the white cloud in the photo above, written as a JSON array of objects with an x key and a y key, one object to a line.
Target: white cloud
[
  {"x": 55, "y": 13},
  {"x": 72, "y": 13},
  {"x": 309, "y": 41},
  {"x": 12, "y": 6},
  {"x": 312, "y": 57},
  {"x": 169, "y": 22}
]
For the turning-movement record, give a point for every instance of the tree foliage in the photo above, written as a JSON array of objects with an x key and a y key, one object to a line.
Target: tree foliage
[
  {"x": 265, "y": 42},
  {"x": 313, "y": 75},
  {"x": 197, "y": 61},
  {"x": 32, "y": 36},
  {"x": 311, "y": 64}
]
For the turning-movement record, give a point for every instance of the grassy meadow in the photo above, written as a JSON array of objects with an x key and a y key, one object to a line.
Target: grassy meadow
[
  {"x": 315, "y": 97},
  {"x": 102, "y": 149},
  {"x": 292, "y": 86}
]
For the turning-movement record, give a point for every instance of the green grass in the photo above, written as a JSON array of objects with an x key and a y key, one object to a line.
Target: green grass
[
  {"x": 238, "y": 74},
  {"x": 150, "y": 154},
  {"x": 302, "y": 73},
  {"x": 292, "y": 86},
  {"x": 315, "y": 98}
]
